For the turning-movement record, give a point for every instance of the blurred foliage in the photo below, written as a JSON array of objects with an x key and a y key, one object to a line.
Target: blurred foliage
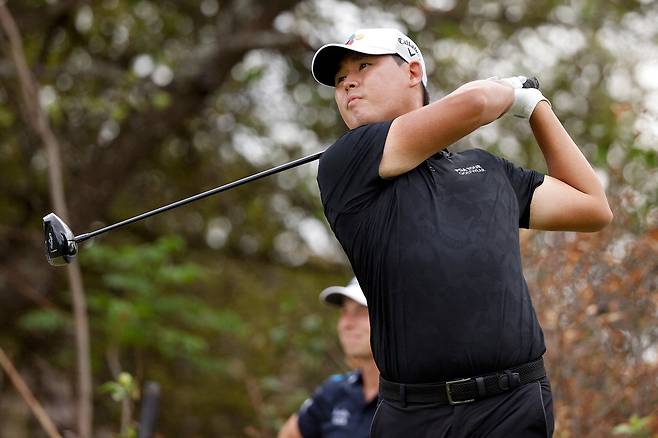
[
  {"x": 635, "y": 427},
  {"x": 139, "y": 303},
  {"x": 595, "y": 296},
  {"x": 154, "y": 101},
  {"x": 124, "y": 390}
]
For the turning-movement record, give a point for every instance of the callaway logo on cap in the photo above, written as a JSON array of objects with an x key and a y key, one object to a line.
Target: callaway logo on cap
[{"x": 367, "y": 41}]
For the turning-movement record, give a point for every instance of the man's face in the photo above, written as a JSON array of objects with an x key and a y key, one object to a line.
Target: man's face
[
  {"x": 354, "y": 329},
  {"x": 372, "y": 89}
]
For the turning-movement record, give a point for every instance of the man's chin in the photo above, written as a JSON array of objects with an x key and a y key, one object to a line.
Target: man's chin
[
  {"x": 354, "y": 123},
  {"x": 359, "y": 119},
  {"x": 358, "y": 355}
]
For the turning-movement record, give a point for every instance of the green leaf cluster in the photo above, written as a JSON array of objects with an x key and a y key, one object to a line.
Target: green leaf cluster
[
  {"x": 145, "y": 299},
  {"x": 124, "y": 388}
]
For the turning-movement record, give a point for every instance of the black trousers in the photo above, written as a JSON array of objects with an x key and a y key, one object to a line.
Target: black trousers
[{"x": 524, "y": 412}]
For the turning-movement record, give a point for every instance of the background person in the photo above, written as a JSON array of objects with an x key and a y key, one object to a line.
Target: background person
[
  {"x": 344, "y": 405},
  {"x": 433, "y": 238}
]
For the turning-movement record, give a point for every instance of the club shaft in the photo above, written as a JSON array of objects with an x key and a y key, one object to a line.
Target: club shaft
[{"x": 245, "y": 180}]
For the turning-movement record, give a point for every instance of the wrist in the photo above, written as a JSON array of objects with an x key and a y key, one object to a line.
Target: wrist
[
  {"x": 525, "y": 102},
  {"x": 543, "y": 108}
]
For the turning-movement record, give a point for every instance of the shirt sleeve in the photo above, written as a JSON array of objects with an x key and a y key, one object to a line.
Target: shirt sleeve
[
  {"x": 348, "y": 173},
  {"x": 524, "y": 182},
  {"x": 314, "y": 412}
]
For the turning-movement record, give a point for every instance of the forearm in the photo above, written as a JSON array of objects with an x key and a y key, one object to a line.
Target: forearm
[
  {"x": 563, "y": 158},
  {"x": 571, "y": 197},
  {"x": 495, "y": 97}
]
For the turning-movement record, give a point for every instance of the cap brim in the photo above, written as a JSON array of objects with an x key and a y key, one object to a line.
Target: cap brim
[
  {"x": 332, "y": 297},
  {"x": 335, "y": 295},
  {"x": 327, "y": 60}
]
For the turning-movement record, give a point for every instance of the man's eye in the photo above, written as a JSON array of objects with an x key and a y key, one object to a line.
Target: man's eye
[
  {"x": 363, "y": 65},
  {"x": 340, "y": 79}
]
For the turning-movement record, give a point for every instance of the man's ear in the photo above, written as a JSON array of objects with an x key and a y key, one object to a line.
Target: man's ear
[{"x": 415, "y": 73}]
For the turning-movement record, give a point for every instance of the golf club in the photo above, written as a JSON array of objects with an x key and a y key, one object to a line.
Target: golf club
[
  {"x": 532, "y": 82},
  {"x": 62, "y": 244}
]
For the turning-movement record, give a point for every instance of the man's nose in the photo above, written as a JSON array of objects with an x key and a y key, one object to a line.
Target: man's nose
[
  {"x": 346, "y": 321},
  {"x": 350, "y": 82}
]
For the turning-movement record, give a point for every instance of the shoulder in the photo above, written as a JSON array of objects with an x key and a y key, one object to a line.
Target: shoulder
[
  {"x": 478, "y": 153},
  {"x": 362, "y": 136},
  {"x": 338, "y": 386},
  {"x": 330, "y": 392},
  {"x": 337, "y": 382},
  {"x": 365, "y": 132}
]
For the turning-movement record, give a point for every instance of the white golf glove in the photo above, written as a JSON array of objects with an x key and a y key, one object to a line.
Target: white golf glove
[
  {"x": 525, "y": 101},
  {"x": 514, "y": 81}
]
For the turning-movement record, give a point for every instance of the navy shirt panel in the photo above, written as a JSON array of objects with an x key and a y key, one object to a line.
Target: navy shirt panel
[{"x": 337, "y": 409}]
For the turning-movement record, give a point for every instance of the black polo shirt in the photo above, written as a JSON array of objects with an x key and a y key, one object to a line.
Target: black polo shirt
[
  {"x": 337, "y": 409},
  {"x": 436, "y": 252}
]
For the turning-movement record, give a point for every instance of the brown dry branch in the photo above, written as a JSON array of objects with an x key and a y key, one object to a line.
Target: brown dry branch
[
  {"x": 256, "y": 399},
  {"x": 22, "y": 388},
  {"x": 17, "y": 281}
]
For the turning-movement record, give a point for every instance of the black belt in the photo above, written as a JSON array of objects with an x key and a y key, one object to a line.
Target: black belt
[{"x": 456, "y": 392}]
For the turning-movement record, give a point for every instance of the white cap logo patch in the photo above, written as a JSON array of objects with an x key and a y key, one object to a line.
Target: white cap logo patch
[
  {"x": 411, "y": 47},
  {"x": 354, "y": 37}
]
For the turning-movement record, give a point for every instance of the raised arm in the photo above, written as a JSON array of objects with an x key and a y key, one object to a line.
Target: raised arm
[
  {"x": 571, "y": 197},
  {"x": 419, "y": 134},
  {"x": 290, "y": 428}
]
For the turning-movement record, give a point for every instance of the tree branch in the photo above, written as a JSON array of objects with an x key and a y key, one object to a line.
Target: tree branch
[
  {"x": 22, "y": 388},
  {"x": 38, "y": 121},
  {"x": 201, "y": 75},
  {"x": 20, "y": 283}
]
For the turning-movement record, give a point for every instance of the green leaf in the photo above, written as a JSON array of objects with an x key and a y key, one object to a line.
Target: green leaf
[
  {"x": 161, "y": 100},
  {"x": 129, "y": 283},
  {"x": 44, "y": 320},
  {"x": 116, "y": 391}
]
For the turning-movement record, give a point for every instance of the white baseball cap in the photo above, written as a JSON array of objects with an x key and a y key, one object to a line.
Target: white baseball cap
[
  {"x": 335, "y": 294},
  {"x": 369, "y": 41}
]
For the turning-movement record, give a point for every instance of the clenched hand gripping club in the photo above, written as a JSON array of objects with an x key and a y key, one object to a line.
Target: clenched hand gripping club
[{"x": 62, "y": 244}]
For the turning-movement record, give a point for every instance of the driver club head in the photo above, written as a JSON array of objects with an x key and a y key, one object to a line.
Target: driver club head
[{"x": 61, "y": 246}]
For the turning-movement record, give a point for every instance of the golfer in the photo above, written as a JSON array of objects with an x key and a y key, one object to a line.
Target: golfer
[
  {"x": 433, "y": 237},
  {"x": 344, "y": 405}
]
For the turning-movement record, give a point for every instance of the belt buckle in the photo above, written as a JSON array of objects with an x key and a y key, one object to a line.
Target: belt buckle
[{"x": 449, "y": 393}]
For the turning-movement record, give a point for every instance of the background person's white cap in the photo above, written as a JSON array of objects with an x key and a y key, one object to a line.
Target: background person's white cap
[
  {"x": 370, "y": 42},
  {"x": 335, "y": 294}
]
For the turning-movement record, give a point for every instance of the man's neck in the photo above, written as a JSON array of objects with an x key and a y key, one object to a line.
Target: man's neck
[{"x": 370, "y": 376}]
